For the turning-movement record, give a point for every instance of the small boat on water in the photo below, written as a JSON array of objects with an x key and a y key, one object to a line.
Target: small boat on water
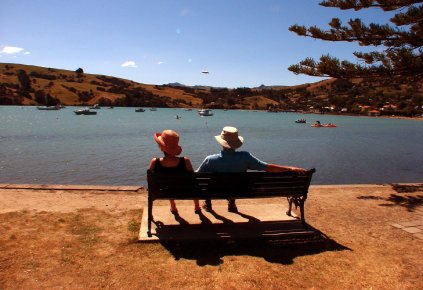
[
  {"x": 272, "y": 110},
  {"x": 84, "y": 112},
  {"x": 205, "y": 112},
  {"x": 49, "y": 108},
  {"x": 139, "y": 110},
  {"x": 301, "y": 121},
  {"x": 95, "y": 107},
  {"x": 328, "y": 125},
  {"x": 153, "y": 109}
]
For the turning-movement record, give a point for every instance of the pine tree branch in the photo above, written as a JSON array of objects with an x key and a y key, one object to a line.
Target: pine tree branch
[
  {"x": 332, "y": 67},
  {"x": 386, "y": 5},
  {"x": 343, "y": 36},
  {"x": 373, "y": 34},
  {"x": 402, "y": 55}
]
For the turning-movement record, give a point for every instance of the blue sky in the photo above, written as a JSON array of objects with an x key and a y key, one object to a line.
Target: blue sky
[{"x": 241, "y": 43}]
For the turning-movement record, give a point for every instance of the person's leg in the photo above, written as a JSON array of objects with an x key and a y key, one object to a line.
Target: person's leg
[
  {"x": 173, "y": 208},
  {"x": 197, "y": 207},
  {"x": 207, "y": 205},
  {"x": 232, "y": 205}
]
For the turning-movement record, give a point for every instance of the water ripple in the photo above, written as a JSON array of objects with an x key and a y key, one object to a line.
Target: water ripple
[{"x": 116, "y": 146}]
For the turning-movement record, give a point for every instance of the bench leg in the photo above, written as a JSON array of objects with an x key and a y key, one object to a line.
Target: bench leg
[
  {"x": 302, "y": 213},
  {"x": 298, "y": 201},
  {"x": 288, "y": 212},
  {"x": 149, "y": 216}
]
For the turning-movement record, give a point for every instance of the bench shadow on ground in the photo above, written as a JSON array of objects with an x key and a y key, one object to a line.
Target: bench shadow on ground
[
  {"x": 408, "y": 196},
  {"x": 276, "y": 242},
  {"x": 273, "y": 251}
]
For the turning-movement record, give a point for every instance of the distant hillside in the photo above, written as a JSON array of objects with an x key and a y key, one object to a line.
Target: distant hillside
[{"x": 34, "y": 85}]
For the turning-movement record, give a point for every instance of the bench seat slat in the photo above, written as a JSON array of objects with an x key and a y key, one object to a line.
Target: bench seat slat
[
  {"x": 223, "y": 195},
  {"x": 220, "y": 185}
]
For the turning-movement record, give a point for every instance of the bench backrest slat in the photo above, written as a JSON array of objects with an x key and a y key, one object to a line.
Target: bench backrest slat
[{"x": 222, "y": 185}]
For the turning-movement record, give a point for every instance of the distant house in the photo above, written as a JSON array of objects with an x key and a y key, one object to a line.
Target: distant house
[
  {"x": 344, "y": 110},
  {"x": 390, "y": 106},
  {"x": 373, "y": 113},
  {"x": 366, "y": 108}
]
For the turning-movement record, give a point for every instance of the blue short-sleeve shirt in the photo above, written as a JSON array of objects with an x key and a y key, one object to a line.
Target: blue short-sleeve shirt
[{"x": 231, "y": 161}]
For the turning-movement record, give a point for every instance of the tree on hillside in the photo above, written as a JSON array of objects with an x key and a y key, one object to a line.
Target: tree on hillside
[
  {"x": 40, "y": 97},
  {"x": 79, "y": 71},
  {"x": 25, "y": 82},
  {"x": 401, "y": 41}
]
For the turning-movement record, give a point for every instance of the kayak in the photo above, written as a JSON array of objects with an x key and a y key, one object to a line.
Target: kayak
[{"x": 324, "y": 125}]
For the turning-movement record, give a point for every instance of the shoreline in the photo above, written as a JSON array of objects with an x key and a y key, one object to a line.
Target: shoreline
[
  {"x": 70, "y": 187},
  {"x": 126, "y": 188},
  {"x": 420, "y": 118}
]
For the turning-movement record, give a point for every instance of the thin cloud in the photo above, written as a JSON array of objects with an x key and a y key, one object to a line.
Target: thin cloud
[
  {"x": 129, "y": 63},
  {"x": 275, "y": 8},
  {"x": 27, "y": 52},
  {"x": 160, "y": 62},
  {"x": 11, "y": 49},
  {"x": 185, "y": 12}
]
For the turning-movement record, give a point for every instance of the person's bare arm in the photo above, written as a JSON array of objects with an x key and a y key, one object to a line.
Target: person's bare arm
[
  {"x": 279, "y": 168},
  {"x": 152, "y": 163},
  {"x": 188, "y": 164}
]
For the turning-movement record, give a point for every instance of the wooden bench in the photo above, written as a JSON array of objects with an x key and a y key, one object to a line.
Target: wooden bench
[{"x": 189, "y": 186}]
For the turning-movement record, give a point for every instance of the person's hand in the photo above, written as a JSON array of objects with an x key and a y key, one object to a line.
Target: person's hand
[{"x": 300, "y": 171}]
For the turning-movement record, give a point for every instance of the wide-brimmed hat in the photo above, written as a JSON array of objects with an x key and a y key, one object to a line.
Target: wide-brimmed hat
[
  {"x": 168, "y": 141},
  {"x": 229, "y": 138}
]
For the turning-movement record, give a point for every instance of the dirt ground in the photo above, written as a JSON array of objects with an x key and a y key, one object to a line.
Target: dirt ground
[{"x": 62, "y": 239}]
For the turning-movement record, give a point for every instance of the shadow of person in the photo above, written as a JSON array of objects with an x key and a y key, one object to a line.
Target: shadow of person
[
  {"x": 204, "y": 219},
  {"x": 250, "y": 218},
  {"x": 204, "y": 252},
  {"x": 180, "y": 220},
  {"x": 159, "y": 224},
  {"x": 220, "y": 217}
]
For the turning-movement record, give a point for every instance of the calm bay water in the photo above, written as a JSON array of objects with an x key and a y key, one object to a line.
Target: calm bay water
[{"x": 115, "y": 146}]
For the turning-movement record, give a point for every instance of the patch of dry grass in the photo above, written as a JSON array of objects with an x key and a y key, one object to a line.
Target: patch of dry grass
[{"x": 94, "y": 248}]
